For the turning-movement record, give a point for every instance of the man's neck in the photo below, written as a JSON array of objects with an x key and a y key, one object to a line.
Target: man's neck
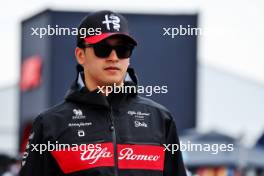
[{"x": 104, "y": 89}]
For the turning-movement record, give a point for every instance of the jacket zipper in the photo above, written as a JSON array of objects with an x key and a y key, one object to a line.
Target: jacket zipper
[{"x": 113, "y": 131}]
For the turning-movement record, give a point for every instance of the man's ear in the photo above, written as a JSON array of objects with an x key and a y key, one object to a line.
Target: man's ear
[{"x": 80, "y": 55}]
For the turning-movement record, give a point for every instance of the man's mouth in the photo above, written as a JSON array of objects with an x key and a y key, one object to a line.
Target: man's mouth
[{"x": 111, "y": 68}]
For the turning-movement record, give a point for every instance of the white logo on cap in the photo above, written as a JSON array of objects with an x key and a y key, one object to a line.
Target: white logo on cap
[{"x": 115, "y": 20}]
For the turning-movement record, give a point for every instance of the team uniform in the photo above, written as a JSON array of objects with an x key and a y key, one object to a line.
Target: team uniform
[{"x": 123, "y": 135}]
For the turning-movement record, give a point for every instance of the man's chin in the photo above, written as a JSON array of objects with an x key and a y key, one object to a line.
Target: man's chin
[{"x": 113, "y": 82}]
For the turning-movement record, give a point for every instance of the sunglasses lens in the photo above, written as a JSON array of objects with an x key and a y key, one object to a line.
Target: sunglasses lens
[
  {"x": 123, "y": 51},
  {"x": 102, "y": 50}
]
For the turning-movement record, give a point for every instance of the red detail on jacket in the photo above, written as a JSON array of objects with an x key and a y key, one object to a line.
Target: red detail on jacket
[{"x": 102, "y": 155}]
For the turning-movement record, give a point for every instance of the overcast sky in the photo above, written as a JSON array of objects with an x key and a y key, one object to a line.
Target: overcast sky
[{"x": 232, "y": 37}]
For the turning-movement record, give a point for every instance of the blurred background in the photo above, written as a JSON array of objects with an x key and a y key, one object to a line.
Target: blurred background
[{"x": 215, "y": 79}]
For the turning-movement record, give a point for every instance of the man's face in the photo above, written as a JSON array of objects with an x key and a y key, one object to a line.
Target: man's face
[{"x": 108, "y": 70}]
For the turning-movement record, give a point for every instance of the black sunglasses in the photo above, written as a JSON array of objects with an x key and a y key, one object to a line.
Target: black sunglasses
[{"x": 103, "y": 50}]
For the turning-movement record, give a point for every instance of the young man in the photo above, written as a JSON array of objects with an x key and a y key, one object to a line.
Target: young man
[{"x": 107, "y": 133}]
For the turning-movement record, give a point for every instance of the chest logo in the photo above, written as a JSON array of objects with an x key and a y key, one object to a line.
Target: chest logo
[
  {"x": 138, "y": 114},
  {"x": 81, "y": 133},
  {"x": 78, "y": 114},
  {"x": 140, "y": 124}
]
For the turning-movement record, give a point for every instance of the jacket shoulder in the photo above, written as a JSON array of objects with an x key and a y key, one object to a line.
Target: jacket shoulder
[
  {"x": 56, "y": 113},
  {"x": 54, "y": 120},
  {"x": 54, "y": 109}
]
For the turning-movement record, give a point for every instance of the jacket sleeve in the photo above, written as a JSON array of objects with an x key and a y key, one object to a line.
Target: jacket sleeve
[
  {"x": 34, "y": 162},
  {"x": 173, "y": 165}
]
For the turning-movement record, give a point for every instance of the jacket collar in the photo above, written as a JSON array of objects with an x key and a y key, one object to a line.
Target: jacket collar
[{"x": 80, "y": 94}]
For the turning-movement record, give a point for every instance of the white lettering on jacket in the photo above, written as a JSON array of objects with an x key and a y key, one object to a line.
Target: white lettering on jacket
[
  {"x": 125, "y": 154},
  {"x": 128, "y": 154},
  {"x": 95, "y": 154}
]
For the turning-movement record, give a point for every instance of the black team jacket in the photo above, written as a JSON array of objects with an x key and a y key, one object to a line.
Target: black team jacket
[{"x": 89, "y": 134}]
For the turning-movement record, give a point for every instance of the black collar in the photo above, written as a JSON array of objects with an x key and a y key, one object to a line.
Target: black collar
[{"x": 115, "y": 100}]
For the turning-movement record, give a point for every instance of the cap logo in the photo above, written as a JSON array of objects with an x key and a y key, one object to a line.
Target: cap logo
[{"x": 115, "y": 20}]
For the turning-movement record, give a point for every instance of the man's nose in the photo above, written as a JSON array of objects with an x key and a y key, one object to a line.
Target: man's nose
[{"x": 113, "y": 56}]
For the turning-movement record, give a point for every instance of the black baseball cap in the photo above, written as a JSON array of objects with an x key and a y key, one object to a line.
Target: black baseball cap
[{"x": 108, "y": 23}]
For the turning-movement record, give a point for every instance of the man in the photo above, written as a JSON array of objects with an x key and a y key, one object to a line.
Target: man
[{"x": 122, "y": 133}]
